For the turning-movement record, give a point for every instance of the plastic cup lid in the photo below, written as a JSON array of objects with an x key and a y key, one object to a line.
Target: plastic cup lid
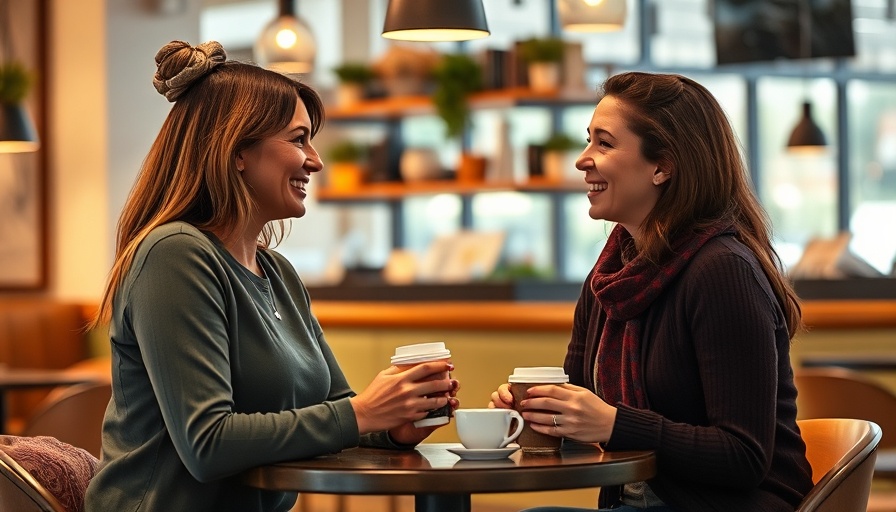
[
  {"x": 546, "y": 374},
  {"x": 420, "y": 353}
]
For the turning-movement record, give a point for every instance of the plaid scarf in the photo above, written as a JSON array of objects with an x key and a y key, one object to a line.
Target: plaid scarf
[{"x": 624, "y": 291}]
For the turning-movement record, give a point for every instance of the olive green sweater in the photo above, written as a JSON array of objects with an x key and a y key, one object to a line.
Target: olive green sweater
[{"x": 207, "y": 382}]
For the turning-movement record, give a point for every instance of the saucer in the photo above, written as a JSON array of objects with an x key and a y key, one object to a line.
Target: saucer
[{"x": 483, "y": 453}]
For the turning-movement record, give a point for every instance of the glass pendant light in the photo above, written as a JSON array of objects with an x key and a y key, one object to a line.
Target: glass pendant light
[
  {"x": 435, "y": 20},
  {"x": 592, "y": 15},
  {"x": 286, "y": 44}
]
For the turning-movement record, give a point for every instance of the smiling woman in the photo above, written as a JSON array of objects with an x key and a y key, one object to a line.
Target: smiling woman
[
  {"x": 689, "y": 272},
  {"x": 220, "y": 364}
]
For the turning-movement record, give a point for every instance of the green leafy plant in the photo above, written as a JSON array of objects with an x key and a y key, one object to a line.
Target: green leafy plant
[
  {"x": 542, "y": 50},
  {"x": 15, "y": 81},
  {"x": 457, "y": 76},
  {"x": 560, "y": 141},
  {"x": 347, "y": 151},
  {"x": 354, "y": 73}
]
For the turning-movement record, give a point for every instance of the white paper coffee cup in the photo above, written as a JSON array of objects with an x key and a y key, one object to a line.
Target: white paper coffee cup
[
  {"x": 540, "y": 374},
  {"x": 520, "y": 381},
  {"x": 420, "y": 353},
  {"x": 412, "y": 355}
]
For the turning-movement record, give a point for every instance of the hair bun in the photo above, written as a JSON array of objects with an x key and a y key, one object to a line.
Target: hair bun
[{"x": 179, "y": 65}]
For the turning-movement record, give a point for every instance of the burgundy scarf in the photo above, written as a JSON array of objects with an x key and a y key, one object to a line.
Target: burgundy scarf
[{"x": 624, "y": 291}]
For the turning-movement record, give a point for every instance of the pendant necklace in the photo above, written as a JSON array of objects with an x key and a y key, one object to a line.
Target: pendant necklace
[
  {"x": 268, "y": 294},
  {"x": 269, "y": 297}
]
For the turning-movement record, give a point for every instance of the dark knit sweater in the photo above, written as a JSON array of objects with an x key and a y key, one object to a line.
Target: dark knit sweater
[{"x": 721, "y": 415}]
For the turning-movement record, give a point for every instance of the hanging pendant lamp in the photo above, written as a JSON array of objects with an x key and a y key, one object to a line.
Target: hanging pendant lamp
[
  {"x": 592, "y": 15},
  {"x": 806, "y": 135},
  {"x": 286, "y": 44},
  {"x": 435, "y": 20},
  {"x": 17, "y": 133}
]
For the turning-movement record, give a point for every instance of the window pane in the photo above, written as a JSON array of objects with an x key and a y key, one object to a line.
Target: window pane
[
  {"x": 798, "y": 191},
  {"x": 526, "y": 220},
  {"x": 426, "y": 217},
  {"x": 872, "y": 173},
  {"x": 684, "y": 34},
  {"x": 585, "y": 237}
]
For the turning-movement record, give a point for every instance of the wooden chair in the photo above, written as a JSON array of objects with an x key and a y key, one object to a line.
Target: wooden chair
[
  {"x": 842, "y": 452},
  {"x": 73, "y": 415},
  {"x": 842, "y": 393},
  {"x": 830, "y": 392}
]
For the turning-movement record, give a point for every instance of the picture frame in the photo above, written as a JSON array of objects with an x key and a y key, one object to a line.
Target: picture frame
[{"x": 23, "y": 176}]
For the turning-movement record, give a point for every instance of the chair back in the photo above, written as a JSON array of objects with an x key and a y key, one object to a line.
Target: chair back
[
  {"x": 20, "y": 492},
  {"x": 73, "y": 415},
  {"x": 842, "y": 393},
  {"x": 842, "y": 453},
  {"x": 43, "y": 474}
]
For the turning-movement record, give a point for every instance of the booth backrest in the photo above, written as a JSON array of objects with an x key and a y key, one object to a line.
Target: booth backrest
[{"x": 39, "y": 333}]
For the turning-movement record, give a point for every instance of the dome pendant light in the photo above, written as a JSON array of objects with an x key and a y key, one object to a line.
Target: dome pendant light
[
  {"x": 592, "y": 15},
  {"x": 286, "y": 44},
  {"x": 806, "y": 135},
  {"x": 435, "y": 20}
]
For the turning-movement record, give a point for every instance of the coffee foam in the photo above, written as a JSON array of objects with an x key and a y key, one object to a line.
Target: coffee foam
[{"x": 540, "y": 374}]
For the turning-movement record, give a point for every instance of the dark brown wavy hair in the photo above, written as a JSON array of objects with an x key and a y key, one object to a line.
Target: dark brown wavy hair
[{"x": 684, "y": 129}]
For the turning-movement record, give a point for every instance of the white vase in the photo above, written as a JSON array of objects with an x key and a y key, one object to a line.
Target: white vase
[
  {"x": 419, "y": 164},
  {"x": 544, "y": 76},
  {"x": 348, "y": 94},
  {"x": 559, "y": 166}
]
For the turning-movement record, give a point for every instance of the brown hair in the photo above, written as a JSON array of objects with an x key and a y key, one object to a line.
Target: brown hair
[
  {"x": 683, "y": 129},
  {"x": 190, "y": 171}
]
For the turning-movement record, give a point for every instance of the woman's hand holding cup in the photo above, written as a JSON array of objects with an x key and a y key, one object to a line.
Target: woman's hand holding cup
[{"x": 411, "y": 398}]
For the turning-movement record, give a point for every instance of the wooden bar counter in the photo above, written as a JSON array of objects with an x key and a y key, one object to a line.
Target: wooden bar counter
[{"x": 557, "y": 316}]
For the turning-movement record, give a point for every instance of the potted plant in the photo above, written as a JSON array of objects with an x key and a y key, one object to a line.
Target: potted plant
[
  {"x": 543, "y": 57},
  {"x": 347, "y": 165},
  {"x": 353, "y": 80},
  {"x": 406, "y": 70},
  {"x": 457, "y": 76},
  {"x": 558, "y": 155}
]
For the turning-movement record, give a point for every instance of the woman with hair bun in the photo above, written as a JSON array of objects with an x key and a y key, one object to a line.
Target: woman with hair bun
[{"x": 218, "y": 364}]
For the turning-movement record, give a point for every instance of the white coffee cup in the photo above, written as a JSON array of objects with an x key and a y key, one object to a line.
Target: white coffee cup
[
  {"x": 411, "y": 355},
  {"x": 487, "y": 428}
]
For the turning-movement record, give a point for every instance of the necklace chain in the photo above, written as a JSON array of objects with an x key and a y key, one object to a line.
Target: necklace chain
[{"x": 268, "y": 297}]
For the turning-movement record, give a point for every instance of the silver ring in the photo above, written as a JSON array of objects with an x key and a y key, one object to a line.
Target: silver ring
[{"x": 554, "y": 417}]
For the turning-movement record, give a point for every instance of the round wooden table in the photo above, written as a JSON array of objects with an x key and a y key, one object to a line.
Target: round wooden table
[{"x": 442, "y": 482}]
